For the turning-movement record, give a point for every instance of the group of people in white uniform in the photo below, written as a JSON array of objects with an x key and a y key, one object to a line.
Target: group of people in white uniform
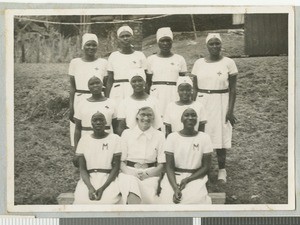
[{"x": 147, "y": 137}]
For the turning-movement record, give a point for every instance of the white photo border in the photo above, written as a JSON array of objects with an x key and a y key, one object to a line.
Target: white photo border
[{"x": 9, "y": 21}]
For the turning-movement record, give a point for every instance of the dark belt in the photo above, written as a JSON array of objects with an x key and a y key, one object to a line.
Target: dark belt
[
  {"x": 99, "y": 171},
  {"x": 121, "y": 81},
  {"x": 90, "y": 128},
  {"x": 213, "y": 91},
  {"x": 140, "y": 165},
  {"x": 164, "y": 82},
  {"x": 83, "y": 92},
  {"x": 185, "y": 170}
]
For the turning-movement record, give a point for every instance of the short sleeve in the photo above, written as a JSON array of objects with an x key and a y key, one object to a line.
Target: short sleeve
[
  {"x": 232, "y": 69},
  {"x": 117, "y": 150},
  {"x": 168, "y": 111},
  {"x": 144, "y": 61},
  {"x": 104, "y": 67},
  {"x": 78, "y": 114},
  {"x": 123, "y": 145},
  {"x": 121, "y": 110},
  {"x": 161, "y": 158},
  {"x": 169, "y": 144},
  {"x": 207, "y": 144},
  {"x": 195, "y": 68},
  {"x": 149, "y": 65},
  {"x": 81, "y": 146},
  {"x": 72, "y": 67},
  {"x": 183, "y": 66},
  {"x": 114, "y": 107},
  {"x": 110, "y": 62},
  {"x": 202, "y": 113}
]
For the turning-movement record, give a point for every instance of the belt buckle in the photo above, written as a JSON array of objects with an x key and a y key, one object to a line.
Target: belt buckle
[
  {"x": 208, "y": 91},
  {"x": 168, "y": 83},
  {"x": 140, "y": 166}
]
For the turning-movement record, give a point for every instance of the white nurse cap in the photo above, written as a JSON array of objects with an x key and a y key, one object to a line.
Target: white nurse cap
[
  {"x": 213, "y": 35},
  {"x": 124, "y": 28},
  {"x": 88, "y": 37},
  {"x": 164, "y": 32}
]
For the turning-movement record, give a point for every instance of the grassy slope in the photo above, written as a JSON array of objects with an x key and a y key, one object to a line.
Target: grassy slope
[{"x": 257, "y": 163}]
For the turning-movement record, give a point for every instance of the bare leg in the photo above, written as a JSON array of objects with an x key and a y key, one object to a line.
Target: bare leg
[{"x": 221, "y": 154}]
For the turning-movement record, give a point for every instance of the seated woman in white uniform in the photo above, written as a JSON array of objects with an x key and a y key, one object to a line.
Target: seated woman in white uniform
[
  {"x": 99, "y": 160},
  {"x": 188, "y": 157},
  {"x": 175, "y": 109},
  {"x": 142, "y": 155},
  {"x": 120, "y": 63},
  {"x": 129, "y": 107}
]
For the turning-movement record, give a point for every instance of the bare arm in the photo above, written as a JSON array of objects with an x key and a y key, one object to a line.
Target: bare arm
[
  {"x": 170, "y": 168},
  {"x": 232, "y": 96},
  {"x": 202, "y": 126},
  {"x": 168, "y": 129},
  {"x": 148, "y": 82},
  {"x": 195, "y": 86},
  {"x": 200, "y": 173},
  {"x": 109, "y": 83},
  {"x": 72, "y": 97},
  {"x": 77, "y": 133},
  {"x": 121, "y": 126},
  {"x": 86, "y": 177}
]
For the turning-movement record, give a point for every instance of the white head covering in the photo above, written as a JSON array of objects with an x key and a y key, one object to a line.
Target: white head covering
[
  {"x": 88, "y": 37},
  {"x": 164, "y": 32},
  {"x": 184, "y": 80},
  {"x": 213, "y": 35},
  {"x": 137, "y": 72},
  {"x": 124, "y": 28}
]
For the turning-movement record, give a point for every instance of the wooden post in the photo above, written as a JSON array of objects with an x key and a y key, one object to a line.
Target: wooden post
[{"x": 194, "y": 27}]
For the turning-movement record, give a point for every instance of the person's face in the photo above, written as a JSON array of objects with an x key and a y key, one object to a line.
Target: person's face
[
  {"x": 145, "y": 118},
  {"x": 165, "y": 44},
  {"x": 185, "y": 92},
  {"x": 189, "y": 118},
  {"x": 137, "y": 83},
  {"x": 90, "y": 48},
  {"x": 95, "y": 85},
  {"x": 98, "y": 122},
  {"x": 214, "y": 46},
  {"x": 125, "y": 39}
]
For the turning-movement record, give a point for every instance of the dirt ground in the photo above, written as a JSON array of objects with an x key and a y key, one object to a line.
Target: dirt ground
[{"x": 256, "y": 165}]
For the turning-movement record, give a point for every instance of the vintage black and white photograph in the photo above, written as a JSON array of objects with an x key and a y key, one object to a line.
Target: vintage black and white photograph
[{"x": 150, "y": 109}]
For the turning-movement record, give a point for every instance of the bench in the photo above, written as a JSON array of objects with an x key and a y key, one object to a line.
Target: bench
[{"x": 68, "y": 198}]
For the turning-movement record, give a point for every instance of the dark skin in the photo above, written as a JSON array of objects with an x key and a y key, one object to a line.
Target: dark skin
[
  {"x": 185, "y": 92},
  {"x": 214, "y": 47},
  {"x": 165, "y": 46},
  {"x": 189, "y": 120},
  {"x": 89, "y": 55},
  {"x": 139, "y": 93},
  {"x": 98, "y": 123}
]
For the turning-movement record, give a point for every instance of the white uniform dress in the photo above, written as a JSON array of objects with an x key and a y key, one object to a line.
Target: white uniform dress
[
  {"x": 214, "y": 76},
  {"x": 129, "y": 108},
  {"x": 166, "y": 70},
  {"x": 121, "y": 64},
  {"x": 82, "y": 72},
  {"x": 174, "y": 112},
  {"x": 141, "y": 147},
  {"x": 188, "y": 153},
  {"x": 98, "y": 154},
  {"x": 87, "y": 109}
]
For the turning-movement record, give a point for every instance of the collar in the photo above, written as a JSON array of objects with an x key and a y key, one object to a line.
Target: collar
[{"x": 137, "y": 132}]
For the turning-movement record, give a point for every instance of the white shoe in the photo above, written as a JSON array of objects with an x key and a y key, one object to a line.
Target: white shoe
[{"x": 222, "y": 175}]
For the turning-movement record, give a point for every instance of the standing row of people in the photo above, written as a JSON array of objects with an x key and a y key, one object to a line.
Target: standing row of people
[{"x": 158, "y": 84}]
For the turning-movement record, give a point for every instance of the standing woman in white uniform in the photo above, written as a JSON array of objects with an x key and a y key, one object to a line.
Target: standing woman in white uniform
[
  {"x": 129, "y": 106},
  {"x": 80, "y": 71},
  {"x": 164, "y": 68},
  {"x": 216, "y": 80},
  {"x": 88, "y": 106},
  {"x": 99, "y": 159},
  {"x": 175, "y": 109},
  {"x": 188, "y": 158},
  {"x": 142, "y": 155},
  {"x": 120, "y": 63}
]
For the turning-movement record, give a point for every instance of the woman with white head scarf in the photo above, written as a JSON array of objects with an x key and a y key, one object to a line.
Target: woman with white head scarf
[
  {"x": 129, "y": 106},
  {"x": 120, "y": 63},
  {"x": 175, "y": 109},
  {"x": 80, "y": 71},
  {"x": 216, "y": 83},
  {"x": 164, "y": 68}
]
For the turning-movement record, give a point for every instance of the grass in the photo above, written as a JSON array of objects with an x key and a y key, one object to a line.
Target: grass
[{"x": 256, "y": 165}]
